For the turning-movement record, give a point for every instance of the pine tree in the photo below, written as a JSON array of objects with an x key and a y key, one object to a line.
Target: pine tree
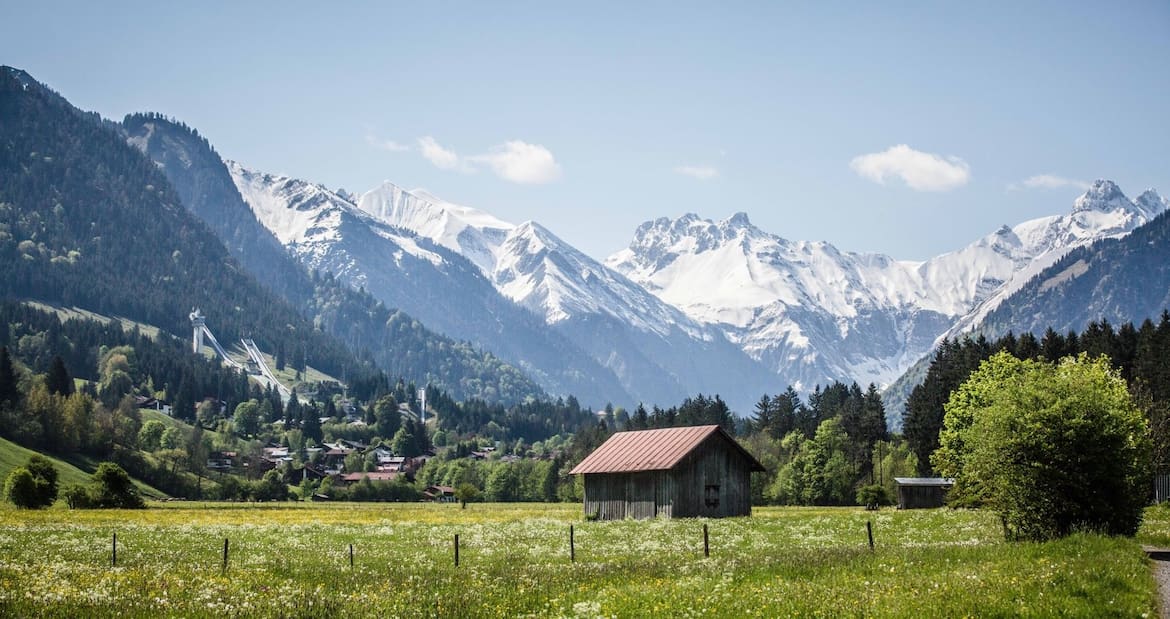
[
  {"x": 58, "y": 380},
  {"x": 764, "y": 417},
  {"x": 8, "y": 389},
  {"x": 311, "y": 424},
  {"x": 640, "y": 420},
  {"x": 786, "y": 409}
]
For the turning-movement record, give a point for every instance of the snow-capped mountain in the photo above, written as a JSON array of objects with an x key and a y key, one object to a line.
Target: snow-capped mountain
[
  {"x": 474, "y": 234},
  {"x": 1103, "y": 211},
  {"x": 813, "y": 313},
  {"x": 808, "y": 311},
  {"x": 659, "y": 354},
  {"x": 691, "y": 305},
  {"x": 526, "y": 262},
  {"x": 326, "y": 231}
]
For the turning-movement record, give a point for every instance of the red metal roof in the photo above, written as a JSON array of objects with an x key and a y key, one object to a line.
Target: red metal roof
[
  {"x": 652, "y": 450},
  {"x": 372, "y": 475}
]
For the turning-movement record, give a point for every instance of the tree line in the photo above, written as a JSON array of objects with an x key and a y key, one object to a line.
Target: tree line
[{"x": 1141, "y": 354}]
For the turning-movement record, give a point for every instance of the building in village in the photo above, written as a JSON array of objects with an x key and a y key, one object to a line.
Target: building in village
[{"x": 671, "y": 472}]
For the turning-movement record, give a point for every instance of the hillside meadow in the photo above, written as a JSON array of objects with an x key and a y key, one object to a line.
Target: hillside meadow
[{"x": 293, "y": 560}]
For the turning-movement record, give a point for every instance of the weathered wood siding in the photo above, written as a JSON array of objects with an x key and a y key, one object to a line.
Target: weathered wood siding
[
  {"x": 921, "y": 497},
  {"x": 714, "y": 481},
  {"x": 614, "y": 496}
]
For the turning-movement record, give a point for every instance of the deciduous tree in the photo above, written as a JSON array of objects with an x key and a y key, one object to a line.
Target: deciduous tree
[{"x": 1053, "y": 448}]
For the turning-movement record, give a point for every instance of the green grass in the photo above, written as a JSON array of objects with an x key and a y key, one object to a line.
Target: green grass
[
  {"x": 76, "y": 471},
  {"x": 293, "y": 560},
  {"x": 13, "y": 455},
  {"x": 1155, "y": 529}
]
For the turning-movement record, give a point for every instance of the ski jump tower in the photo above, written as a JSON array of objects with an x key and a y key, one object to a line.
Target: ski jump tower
[{"x": 198, "y": 323}]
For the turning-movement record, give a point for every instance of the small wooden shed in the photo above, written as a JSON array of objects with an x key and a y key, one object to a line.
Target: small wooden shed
[
  {"x": 672, "y": 472},
  {"x": 922, "y": 492}
]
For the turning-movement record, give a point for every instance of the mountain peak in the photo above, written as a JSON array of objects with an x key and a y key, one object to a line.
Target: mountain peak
[
  {"x": 1152, "y": 203},
  {"x": 1102, "y": 195},
  {"x": 19, "y": 75},
  {"x": 739, "y": 220}
]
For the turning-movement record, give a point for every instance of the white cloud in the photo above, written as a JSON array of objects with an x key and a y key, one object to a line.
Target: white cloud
[
  {"x": 700, "y": 172},
  {"x": 920, "y": 171},
  {"x": 515, "y": 161},
  {"x": 390, "y": 145},
  {"x": 441, "y": 158},
  {"x": 521, "y": 162},
  {"x": 1048, "y": 181}
]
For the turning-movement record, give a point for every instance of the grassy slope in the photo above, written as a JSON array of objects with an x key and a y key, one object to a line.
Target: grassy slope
[
  {"x": 13, "y": 455},
  {"x": 76, "y": 472}
]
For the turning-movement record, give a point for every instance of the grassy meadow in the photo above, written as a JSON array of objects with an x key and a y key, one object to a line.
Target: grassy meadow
[{"x": 292, "y": 560}]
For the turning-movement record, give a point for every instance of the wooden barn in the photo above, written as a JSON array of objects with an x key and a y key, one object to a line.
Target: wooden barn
[
  {"x": 922, "y": 492},
  {"x": 672, "y": 472}
]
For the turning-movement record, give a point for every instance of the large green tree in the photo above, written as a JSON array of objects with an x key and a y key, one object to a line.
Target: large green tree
[
  {"x": 1052, "y": 447},
  {"x": 247, "y": 418}
]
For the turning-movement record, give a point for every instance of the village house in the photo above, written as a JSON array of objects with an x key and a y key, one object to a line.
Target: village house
[
  {"x": 696, "y": 471},
  {"x": 353, "y": 478},
  {"x": 221, "y": 460},
  {"x": 440, "y": 494}
]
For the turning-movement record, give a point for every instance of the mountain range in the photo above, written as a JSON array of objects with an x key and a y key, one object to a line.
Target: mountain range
[
  {"x": 690, "y": 306},
  {"x": 694, "y": 305},
  {"x": 813, "y": 313},
  {"x": 518, "y": 290}
]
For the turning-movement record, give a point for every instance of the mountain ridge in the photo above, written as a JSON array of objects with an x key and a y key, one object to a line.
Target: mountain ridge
[
  {"x": 599, "y": 311},
  {"x": 329, "y": 232},
  {"x": 814, "y": 313}
]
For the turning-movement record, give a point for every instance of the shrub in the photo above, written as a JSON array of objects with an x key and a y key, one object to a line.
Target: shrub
[
  {"x": 270, "y": 488},
  {"x": 77, "y": 497},
  {"x": 113, "y": 488},
  {"x": 33, "y": 485},
  {"x": 45, "y": 476},
  {"x": 21, "y": 489},
  {"x": 873, "y": 496}
]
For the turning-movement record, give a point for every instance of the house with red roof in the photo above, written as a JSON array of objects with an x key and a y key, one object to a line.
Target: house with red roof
[{"x": 688, "y": 472}]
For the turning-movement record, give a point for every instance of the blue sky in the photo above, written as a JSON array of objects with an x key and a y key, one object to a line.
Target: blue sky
[{"x": 907, "y": 128}]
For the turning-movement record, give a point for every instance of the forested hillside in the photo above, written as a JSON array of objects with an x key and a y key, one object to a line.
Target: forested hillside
[
  {"x": 87, "y": 221},
  {"x": 217, "y": 409},
  {"x": 1117, "y": 280}
]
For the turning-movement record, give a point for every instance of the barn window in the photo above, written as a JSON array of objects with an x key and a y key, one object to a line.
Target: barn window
[{"x": 712, "y": 495}]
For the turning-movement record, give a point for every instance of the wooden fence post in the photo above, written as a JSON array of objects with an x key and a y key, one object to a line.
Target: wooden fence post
[
  {"x": 351, "y": 556},
  {"x": 572, "y": 546},
  {"x": 225, "y": 555},
  {"x": 706, "y": 543},
  {"x": 869, "y": 532},
  {"x": 114, "y": 552},
  {"x": 456, "y": 550}
]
